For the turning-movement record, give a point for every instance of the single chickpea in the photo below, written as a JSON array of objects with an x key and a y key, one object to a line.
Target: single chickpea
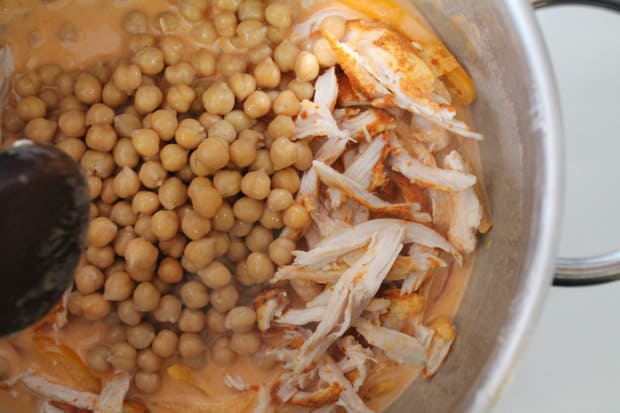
[
  {"x": 101, "y": 232},
  {"x": 164, "y": 122},
  {"x": 218, "y": 99},
  {"x": 216, "y": 321},
  {"x": 243, "y": 152},
  {"x": 213, "y": 153},
  {"x": 140, "y": 336},
  {"x": 173, "y": 157},
  {"x": 64, "y": 83},
  {"x": 287, "y": 178},
  {"x": 97, "y": 359},
  {"x": 203, "y": 62},
  {"x": 195, "y": 226},
  {"x": 267, "y": 74},
  {"x": 143, "y": 229},
  {"x": 145, "y": 141},
  {"x": 229, "y": 63},
  {"x": 194, "y": 295},
  {"x": 296, "y": 217},
  {"x": 198, "y": 254},
  {"x": 170, "y": 270},
  {"x": 242, "y": 85},
  {"x": 189, "y": 133},
  {"x": 281, "y": 251},
  {"x": 147, "y": 382},
  {"x": 141, "y": 254},
  {"x": 279, "y": 199},
  {"x": 27, "y": 84},
  {"x": 221, "y": 351},
  {"x": 303, "y": 90},
  {"x": 260, "y": 267},
  {"x": 251, "y": 33},
  {"x": 276, "y": 34},
  {"x": 127, "y": 77},
  {"x": 223, "y": 130},
  {"x": 286, "y": 104},
  {"x": 248, "y": 210},
  {"x": 237, "y": 251},
  {"x": 258, "y": 239},
  {"x": 128, "y": 313},
  {"x": 285, "y": 55},
  {"x": 118, "y": 287},
  {"x": 260, "y": 53},
  {"x": 50, "y": 98},
  {"x": 192, "y": 10},
  {"x": 148, "y": 361},
  {"x": 146, "y": 297},
  {"x": 241, "y": 319},
  {"x": 262, "y": 161},
  {"x": 101, "y": 137},
  {"x": 306, "y": 66},
  {"x": 125, "y": 124},
  {"x": 197, "y": 168},
  {"x": 150, "y": 60},
  {"x": 126, "y": 183},
  {"x": 135, "y": 22},
  {"x": 325, "y": 56},
  {"x": 70, "y": 103},
  {"x": 87, "y": 88},
  {"x": 73, "y": 147},
  {"x": 181, "y": 73},
  {"x": 31, "y": 107},
  {"x": 40, "y": 130},
  {"x": 281, "y": 126},
  {"x": 204, "y": 33},
  {"x": 123, "y": 356},
  {"x": 215, "y": 275},
  {"x": 147, "y": 98},
  {"x": 172, "y": 193},
  {"x": 122, "y": 214},
  {"x": 206, "y": 200},
  {"x": 225, "y": 298},
  {"x": 283, "y": 153},
  {"x": 334, "y": 25},
  {"x": 164, "y": 225},
  {"x": 230, "y": 5},
  {"x": 95, "y": 307},
  {"x": 251, "y": 9},
  {"x": 165, "y": 343},
  {"x": 88, "y": 279},
  {"x": 11, "y": 120},
  {"x": 241, "y": 229},
  {"x": 141, "y": 41},
  {"x": 145, "y": 203},
  {"x": 239, "y": 120},
  {"x": 167, "y": 22},
  {"x": 279, "y": 15},
  {"x": 271, "y": 219},
  {"x": 257, "y": 104},
  {"x": 100, "y": 257},
  {"x": 245, "y": 343},
  {"x": 72, "y": 124},
  {"x": 190, "y": 345},
  {"x": 99, "y": 114},
  {"x": 108, "y": 197},
  {"x": 172, "y": 48},
  {"x": 168, "y": 310},
  {"x": 180, "y": 97},
  {"x": 225, "y": 23},
  {"x": 256, "y": 184},
  {"x": 224, "y": 218},
  {"x": 304, "y": 156}
]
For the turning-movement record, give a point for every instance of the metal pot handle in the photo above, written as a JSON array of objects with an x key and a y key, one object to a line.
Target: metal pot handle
[{"x": 601, "y": 268}]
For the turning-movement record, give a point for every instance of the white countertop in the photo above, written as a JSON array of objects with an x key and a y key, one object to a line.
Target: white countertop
[{"x": 572, "y": 363}]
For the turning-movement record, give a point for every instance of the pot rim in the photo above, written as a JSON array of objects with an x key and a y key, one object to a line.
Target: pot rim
[{"x": 526, "y": 309}]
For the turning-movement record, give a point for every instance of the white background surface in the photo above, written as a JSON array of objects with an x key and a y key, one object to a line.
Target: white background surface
[{"x": 572, "y": 363}]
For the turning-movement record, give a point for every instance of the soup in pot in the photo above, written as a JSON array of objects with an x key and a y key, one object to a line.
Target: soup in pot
[{"x": 285, "y": 202}]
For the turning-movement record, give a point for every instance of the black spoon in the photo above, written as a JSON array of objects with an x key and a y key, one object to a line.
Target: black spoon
[{"x": 44, "y": 206}]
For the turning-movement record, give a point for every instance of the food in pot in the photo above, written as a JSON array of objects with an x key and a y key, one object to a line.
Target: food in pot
[{"x": 285, "y": 202}]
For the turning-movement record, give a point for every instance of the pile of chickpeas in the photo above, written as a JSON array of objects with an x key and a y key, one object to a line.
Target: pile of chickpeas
[{"x": 192, "y": 173}]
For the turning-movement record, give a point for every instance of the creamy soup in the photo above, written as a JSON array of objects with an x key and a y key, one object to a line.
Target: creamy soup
[{"x": 218, "y": 137}]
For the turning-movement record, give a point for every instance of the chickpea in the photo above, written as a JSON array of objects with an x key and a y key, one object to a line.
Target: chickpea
[
  {"x": 135, "y": 22},
  {"x": 225, "y": 24},
  {"x": 40, "y": 130},
  {"x": 97, "y": 359},
  {"x": 140, "y": 336},
  {"x": 224, "y": 218},
  {"x": 99, "y": 114},
  {"x": 87, "y": 88},
  {"x": 286, "y": 104},
  {"x": 195, "y": 226},
  {"x": 123, "y": 356},
  {"x": 88, "y": 279},
  {"x": 243, "y": 152},
  {"x": 283, "y": 153},
  {"x": 190, "y": 345},
  {"x": 141, "y": 254},
  {"x": 31, "y": 107},
  {"x": 108, "y": 197},
  {"x": 73, "y": 147},
  {"x": 271, "y": 219},
  {"x": 260, "y": 267},
  {"x": 259, "y": 239},
  {"x": 167, "y": 22},
  {"x": 279, "y": 199},
  {"x": 279, "y": 15},
  {"x": 143, "y": 229},
  {"x": 198, "y": 254},
  {"x": 267, "y": 74},
  {"x": 306, "y": 66},
  {"x": 240, "y": 319},
  {"x": 192, "y": 10},
  {"x": 281, "y": 127},
  {"x": 173, "y": 193},
  {"x": 146, "y": 297},
  {"x": 145, "y": 203},
  {"x": 125, "y": 124},
  {"x": 194, "y": 295},
  {"x": 260, "y": 53},
  {"x": 228, "y": 64},
  {"x": 147, "y": 98},
  {"x": 221, "y": 351},
  {"x": 251, "y": 33},
  {"x": 223, "y": 130},
  {"x": 257, "y": 104},
  {"x": 101, "y": 232},
  {"x": 245, "y": 343},
  {"x": 303, "y": 90},
  {"x": 164, "y": 122},
  {"x": 225, "y": 298},
  {"x": 117, "y": 266},
  {"x": 287, "y": 178},
  {"x": 203, "y": 62},
  {"x": 281, "y": 251},
  {"x": 206, "y": 200},
  {"x": 101, "y": 137},
  {"x": 218, "y": 99},
  {"x": 11, "y": 120},
  {"x": 189, "y": 134},
  {"x": 248, "y": 210},
  {"x": 148, "y": 361},
  {"x": 165, "y": 343},
  {"x": 180, "y": 97},
  {"x": 127, "y": 77},
  {"x": 197, "y": 168},
  {"x": 72, "y": 124},
  {"x": 145, "y": 141},
  {"x": 242, "y": 85},
  {"x": 118, "y": 287},
  {"x": 222, "y": 243},
  {"x": 262, "y": 161},
  {"x": 251, "y": 9},
  {"x": 70, "y": 103},
  {"x": 100, "y": 257},
  {"x": 50, "y": 98},
  {"x": 168, "y": 310},
  {"x": 215, "y": 275},
  {"x": 174, "y": 247},
  {"x": 172, "y": 48},
  {"x": 94, "y": 307},
  {"x": 296, "y": 217},
  {"x": 230, "y": 5},
  {"x": 27, "y": 84},
  {"x": 213, "y": 153},
  {"x": 191, "y": 321},
  {"x": 126, "y": 183},
  {"x": 150, "y": 60},
  {"x": 256, "y": 184},
  {"x": 324, "y": 53},
  {"x": 170, "y": 270},
  {"x": 276, "y": 35},
  {"x": 173, "y": 157},
  {"x": 204, "y": 33},
  {"x": 180, "y": 73},
  {"x": 64, "y": 83},
  {"x": 216, "y": 321},
  {"x": 237, "y": 251},
  {"x": 239, "y": 120}
]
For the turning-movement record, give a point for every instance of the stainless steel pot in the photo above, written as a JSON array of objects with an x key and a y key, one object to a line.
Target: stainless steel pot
[{"x": 518, "y": 112}]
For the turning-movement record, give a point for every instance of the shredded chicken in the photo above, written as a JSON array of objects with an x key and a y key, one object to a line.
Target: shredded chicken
[
  {"x": 397, "y": 346},
  {"x": 235, "y": 383},
  {"x": 269, "y": 305}
]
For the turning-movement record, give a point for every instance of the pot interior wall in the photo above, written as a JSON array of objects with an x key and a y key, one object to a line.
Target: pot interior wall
[{"x": 484, "y": 37}]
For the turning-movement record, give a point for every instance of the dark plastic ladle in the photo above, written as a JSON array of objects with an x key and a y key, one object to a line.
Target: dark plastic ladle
[{"x": 44, "y": 207}]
